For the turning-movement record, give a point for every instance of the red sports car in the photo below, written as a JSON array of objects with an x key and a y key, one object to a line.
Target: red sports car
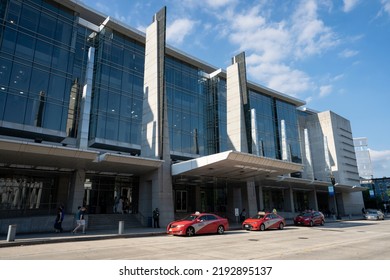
[
  {"x": 310, "y": 218},
  {"x": 262, "y": 221},
  {"x": 198, "y": 223}
]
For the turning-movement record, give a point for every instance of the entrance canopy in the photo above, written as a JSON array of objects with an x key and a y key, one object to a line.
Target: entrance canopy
[
  {"x": 35, "y": 156},
  {"x": 235, "y": 166},
  {"x": 284, "y": 182}
]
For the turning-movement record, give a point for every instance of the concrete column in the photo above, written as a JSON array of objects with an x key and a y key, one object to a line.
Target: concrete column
[
  {"x": 77, "y": 189},
  {"x": 251, "y": 198},
  {"x": 291, "y": 196},
  {"x": 261, "y": 198}
]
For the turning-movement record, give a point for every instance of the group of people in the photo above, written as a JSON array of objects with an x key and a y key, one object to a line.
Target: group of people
[
  {"x": 121, "y": 205},
  {"x": 79, "y": 217}
]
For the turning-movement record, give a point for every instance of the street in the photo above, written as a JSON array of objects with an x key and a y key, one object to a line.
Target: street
[{"x": 345, "y": 240}]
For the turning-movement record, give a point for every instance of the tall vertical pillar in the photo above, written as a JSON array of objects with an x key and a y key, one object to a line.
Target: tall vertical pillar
[
  {"x": 237, "y": 105},
  {"x": 82, "y": 139},
  {"x": 155, "y": 119}
]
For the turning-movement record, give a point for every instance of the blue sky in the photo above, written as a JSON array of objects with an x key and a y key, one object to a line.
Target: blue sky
[{"x": 335, "y": 55}]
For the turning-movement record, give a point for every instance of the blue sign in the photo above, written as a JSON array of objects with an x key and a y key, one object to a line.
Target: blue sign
[
  {"x": 372, "y": 193},
  {"x": 331, "y": 190}
]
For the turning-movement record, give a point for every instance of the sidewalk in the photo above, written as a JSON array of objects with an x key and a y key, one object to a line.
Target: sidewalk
[{"x": 47, "y": 238}]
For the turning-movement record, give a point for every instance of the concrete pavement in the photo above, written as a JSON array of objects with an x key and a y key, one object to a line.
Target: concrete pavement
[{"x": 51, "y": 237}]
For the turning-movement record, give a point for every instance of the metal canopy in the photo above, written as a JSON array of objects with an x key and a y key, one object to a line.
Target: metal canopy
[
  {"x": 235, "y": 166},
  {"x": 308, "y": 185},
  {"x": 29, "y": 155}
]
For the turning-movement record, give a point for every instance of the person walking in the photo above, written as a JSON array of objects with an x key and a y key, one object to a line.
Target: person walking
[
  {"x": 80, "y": 219},
  {"x": 156, "y": 218},
  {"x": 58, "y": 221}
]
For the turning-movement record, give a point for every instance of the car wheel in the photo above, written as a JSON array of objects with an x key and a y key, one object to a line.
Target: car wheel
[
  {"x": 221, "y": 230},
  {"x": 262, "y": 227},
  {"x": 311, "y": 223},
  {"x": 190, "y": 231},
  {"x": 322, "y": 222},
  {"x": 281, "y": 226}
]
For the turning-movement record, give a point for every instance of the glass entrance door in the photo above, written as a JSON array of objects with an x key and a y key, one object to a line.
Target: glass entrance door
[{"x": 181, "y": 201}]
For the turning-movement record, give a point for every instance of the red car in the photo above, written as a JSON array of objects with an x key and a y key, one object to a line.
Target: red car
[
  {"x": 310, "y": 218},
  {"x": 262, "y": 221},
  {"x": 198, "y": 223}
]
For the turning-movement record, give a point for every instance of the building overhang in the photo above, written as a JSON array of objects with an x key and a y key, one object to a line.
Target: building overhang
[
  {"x": 285, "y": 182},
  {"x": 35, "y": 156},
  {"x": 235, "y": 165}
]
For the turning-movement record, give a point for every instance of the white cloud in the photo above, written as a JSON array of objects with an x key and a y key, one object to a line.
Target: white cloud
[
  {"x": 312, "y": 35},
  {"x": 179, "y": 29},
  {"x": 325, "y": 90},
  {"x": 280, "y": 77},
  {"x": 347, "y": 53},
  {"x": 381, "y": 163},
  {"x": 273, "y": 47},
  {"x": 349, "y": 5},
  {"x": 217, "y": 4},
  {"x": 386, "y": 6}
]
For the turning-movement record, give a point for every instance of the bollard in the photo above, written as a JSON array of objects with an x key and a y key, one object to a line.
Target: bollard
[
  {"x": 121, "y": 227},
  {"x": 11, "y": 233}
]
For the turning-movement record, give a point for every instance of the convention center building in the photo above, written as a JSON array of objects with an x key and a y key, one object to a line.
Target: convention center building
[{"x": 93, "y": 110}]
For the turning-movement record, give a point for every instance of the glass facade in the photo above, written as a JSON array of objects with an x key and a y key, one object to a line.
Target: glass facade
[
  {"x": 186, "y": 98},
  {"x": 266, "y": 128},
  {"x": 216, "y": 116},
  {"x": 42, "y": 58},
  {"x": 117, "y": 93},
  {"x": 288, "y": 113}
]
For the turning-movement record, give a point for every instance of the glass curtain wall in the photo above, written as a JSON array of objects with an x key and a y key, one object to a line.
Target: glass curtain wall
[
  {"x": 186, "y": 100},
  {"x": 216, "y": 115},
  {"x": 288, "y": 113},
  {"x": 37, "y": 60},
  {"x": 265, "y": 123},
  {"x": 118, "y": 89}
]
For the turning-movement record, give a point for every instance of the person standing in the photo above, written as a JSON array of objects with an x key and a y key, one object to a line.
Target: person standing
[
  {"x": 156, "y": 218},
  {"x": 80, "y": 219},
  {"x": 243, "y": 215}
]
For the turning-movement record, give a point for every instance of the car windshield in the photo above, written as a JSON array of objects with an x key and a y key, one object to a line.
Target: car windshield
[
  {"x": 306, "y": 214},
  {"x": 258, "y": 216},
  {"x": 372, "y": 212},
  {"x": 190, "y": 217}
]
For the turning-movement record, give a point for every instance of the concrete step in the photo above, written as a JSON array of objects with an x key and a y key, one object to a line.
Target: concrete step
[{"x": 111, "y": 221}]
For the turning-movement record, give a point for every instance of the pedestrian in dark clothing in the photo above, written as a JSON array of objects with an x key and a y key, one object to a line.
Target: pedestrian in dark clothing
[
  {"x": 58, "y": 221},
  {"x": 156, "y": 218}
]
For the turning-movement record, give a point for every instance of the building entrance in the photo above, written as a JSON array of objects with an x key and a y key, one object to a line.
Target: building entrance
[{"x": 105, "y": 191}]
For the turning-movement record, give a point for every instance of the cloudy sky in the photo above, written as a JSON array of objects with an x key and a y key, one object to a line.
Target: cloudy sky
[{"x": 332, "y": 54}]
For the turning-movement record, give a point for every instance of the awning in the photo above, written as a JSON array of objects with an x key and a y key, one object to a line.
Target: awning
[
  {"x": 29, "y": 155},
  {"x": 235, "y": 166},
  {"x": 308, "y": 185}
]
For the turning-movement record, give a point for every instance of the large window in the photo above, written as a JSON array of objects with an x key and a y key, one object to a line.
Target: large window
[
  {"x": 186, "y": 107},
  {"x": 288, "y": 113},
  {"x": 118, "y": 89},
  {"x": 38, "y": 69},
  {"x": 265, "y": 119}
]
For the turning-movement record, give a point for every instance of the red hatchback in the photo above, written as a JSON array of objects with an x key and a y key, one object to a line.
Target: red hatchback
[
  {"x": 198, "y": 223},
  {"x": 310, "y": 218},
  {"x": 262, "y": 221}
]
